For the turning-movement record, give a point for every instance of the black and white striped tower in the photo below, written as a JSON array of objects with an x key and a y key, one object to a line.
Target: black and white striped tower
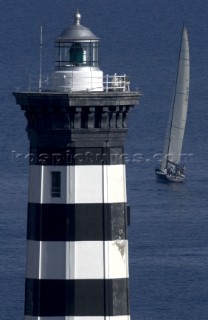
[{"x": 77, "y": 246}]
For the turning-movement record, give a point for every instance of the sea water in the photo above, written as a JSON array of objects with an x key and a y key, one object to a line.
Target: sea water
[{"x": 168, "y": 235}]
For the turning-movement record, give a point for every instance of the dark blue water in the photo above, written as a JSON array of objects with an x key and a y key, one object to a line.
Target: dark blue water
[{"x": 168, "y": 236}]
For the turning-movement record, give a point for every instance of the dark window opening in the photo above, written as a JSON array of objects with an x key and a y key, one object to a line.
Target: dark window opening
[{"x": 55, "y": 184}]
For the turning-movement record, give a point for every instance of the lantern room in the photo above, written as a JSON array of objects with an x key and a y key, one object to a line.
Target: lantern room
[
  {"x": 76, "y": 46},
  {"x": 76, "y": 64}
]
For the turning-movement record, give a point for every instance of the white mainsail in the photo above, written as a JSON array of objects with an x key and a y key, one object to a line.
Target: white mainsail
[{"x": 178, "y": 113}]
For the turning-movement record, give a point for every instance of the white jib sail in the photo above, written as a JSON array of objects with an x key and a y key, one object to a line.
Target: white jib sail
[{"x": 178, "y": 113}]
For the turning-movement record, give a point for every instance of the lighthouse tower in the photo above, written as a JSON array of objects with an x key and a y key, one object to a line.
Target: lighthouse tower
[{"x": 77, "y": 245}]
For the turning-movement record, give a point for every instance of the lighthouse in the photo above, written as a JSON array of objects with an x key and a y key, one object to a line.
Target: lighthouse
[{"x": 77, "y": 242}]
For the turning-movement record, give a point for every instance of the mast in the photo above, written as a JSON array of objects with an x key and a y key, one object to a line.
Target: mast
[{"x": 40, "y": 67}]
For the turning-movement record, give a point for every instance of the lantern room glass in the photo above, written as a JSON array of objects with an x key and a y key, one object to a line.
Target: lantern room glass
[{"x": 73, "y": 54}]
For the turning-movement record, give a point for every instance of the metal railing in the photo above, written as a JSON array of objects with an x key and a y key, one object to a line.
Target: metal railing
[
  {"x": 116, "y": 83},
  {"x": 109, "y": 83}
]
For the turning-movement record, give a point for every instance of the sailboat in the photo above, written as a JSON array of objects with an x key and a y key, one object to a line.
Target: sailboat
[{"x": 170, "y": 169}]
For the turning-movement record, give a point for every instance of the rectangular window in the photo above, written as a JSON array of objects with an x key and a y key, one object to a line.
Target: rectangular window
[{"x": 56, "y": 184}]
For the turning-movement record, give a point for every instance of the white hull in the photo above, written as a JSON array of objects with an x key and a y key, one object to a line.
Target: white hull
[{"x": 165, "y": 177}]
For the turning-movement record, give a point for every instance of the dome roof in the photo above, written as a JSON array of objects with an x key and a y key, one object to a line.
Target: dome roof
[{"x": 77, "y": 32}]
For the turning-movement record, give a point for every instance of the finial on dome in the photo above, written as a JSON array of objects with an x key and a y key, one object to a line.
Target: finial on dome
[{"x": 77, "y": 18}]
